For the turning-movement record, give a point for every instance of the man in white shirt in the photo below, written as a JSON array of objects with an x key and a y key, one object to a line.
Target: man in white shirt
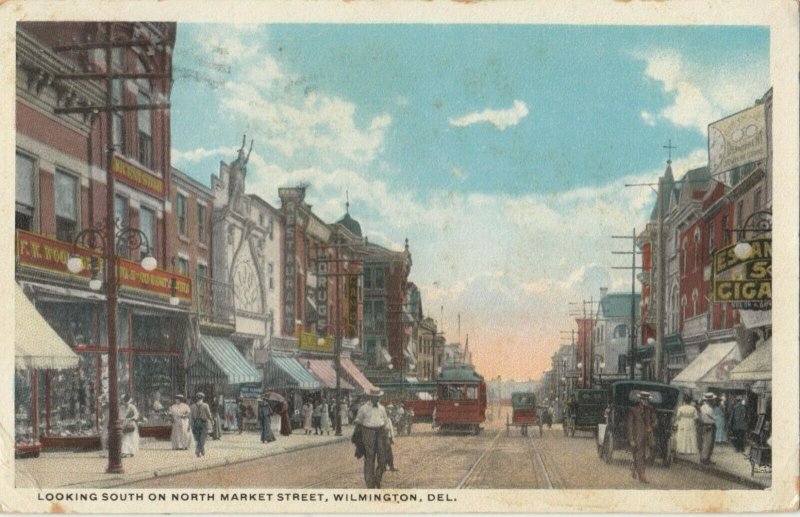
[
  {"x": 373, "y": 422},
  {"x": 708, "y": 428}
]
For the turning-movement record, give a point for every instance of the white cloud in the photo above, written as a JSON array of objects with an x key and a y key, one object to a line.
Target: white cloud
[
  {"x": 500, "y": 119},
  {"x": 458, "y": 172},
  {"x": 700, "y": 94},
  {"x": 201, "y": 153}
]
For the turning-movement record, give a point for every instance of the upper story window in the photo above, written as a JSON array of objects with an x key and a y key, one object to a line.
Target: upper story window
[
  {"x": 725, "y": 233},
  {"x": 147, "y": 224},
  {"x": 144, "y": 133},
  {"x": 620, "y": 331},
  {"x": 697, "y": 250},
  {"x": 180, "y": 209},
  {"x": 66, "y": 205},
  {"x": 683, "y": 256},
  {"x": 201, "y": 223},
  {"x": 379, "y": 277},
  {"x": 183, "y": 266},
  {"x": 25, "y": 191},
  {"x": 711, "y": 239}
]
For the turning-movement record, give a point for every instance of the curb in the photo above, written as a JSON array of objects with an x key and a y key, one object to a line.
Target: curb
[
  {"x": 195, "y": 467},
  {"x": 720, "y": 473}
]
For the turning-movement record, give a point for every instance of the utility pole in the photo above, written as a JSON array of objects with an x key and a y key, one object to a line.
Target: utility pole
[
  {"x": 632, "y": 267},
  {"x": 661, "y": 280}
]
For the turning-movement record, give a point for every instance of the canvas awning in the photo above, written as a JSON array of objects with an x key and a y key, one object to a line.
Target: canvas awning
[
  {"x": 711, "y": 368},
  {"x": 36, "y": 344},
  {"x": 324, "y": 371},
  {"x": 356, "y": 375},
  {"x": 757, "y": 366},
  {"x": 287, "y": 372},
  {"x": 220, "y": 362}
]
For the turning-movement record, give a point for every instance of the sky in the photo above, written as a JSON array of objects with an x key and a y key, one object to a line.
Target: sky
[{"x": 500, "y": 151}]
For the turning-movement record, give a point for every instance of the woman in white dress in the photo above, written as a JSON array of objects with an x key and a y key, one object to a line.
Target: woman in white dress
[
  {"x": 325, "y": 418},
  {"x": 181, "y": 435},
  {"x": 130, "y": 429},
  {"x": 686, "y": 436}
]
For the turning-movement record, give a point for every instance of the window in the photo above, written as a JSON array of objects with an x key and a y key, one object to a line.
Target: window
[
  {"x": 711, "y": 239},
  {"x": 724, "y": 322},
  {"x": 180, "y": 208},
  {"x": 183, "y": 266},
  {"x": 201, "y": 223},
  {"x": 145, "y": 131},
  {"x": 147, "y": 224},
  {"x": 739, "y": 213},
  {"x": 757, "y": 199},
  {"x": 25, "y": 191},
  {"x": 620, "y": 331},
  {"x": 202, "y": 275},
  {"x": 694, "y": 302},
  {"x": 696, "y": 247},
  {"x": 270, "y": 270},
  {"x": 66, "y": 206},
  {"x": 118, "y": 65},
  {"x": 725, "y": 232},
  {"x": 121, "y": 211},
  {"x": 683, "y": 256}
]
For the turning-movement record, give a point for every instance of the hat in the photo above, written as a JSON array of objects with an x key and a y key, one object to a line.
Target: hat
[
  {"x": 644, "y": 395},
  {"x": 709, "y": 396},
  {"x": 180, "y": 397},
  {"x": 199, "y": 395},
  {"x": 375, "y": 392}
]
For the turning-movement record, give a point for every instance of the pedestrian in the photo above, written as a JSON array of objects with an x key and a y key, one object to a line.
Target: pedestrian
[
  {"x": 721, "y": 434},
  {"x": 215, "y": 426},
  {"x": 316, "y": 417},
  {"x": 130, "y": 428},
  {"x": 390, "y": 432},
  {"x": 264, "y": 420},
  {"x": 686, "y": 421},
  {"x": 181, "y": 436},
  {"x": 201, "y": 418},
  {"x": 343, "y": 413},
  {"x": 307, "y": 412},
  {"x": 286, "y": 425},
  {"x": 241, "y": 413},
  {"x": 641, "y": 426},
  {"x": 550, "y": 414},
  {"x": 372, "y": 424},
  {"x": 325, "y": 418},
  {"x": 708, "y": 426},
  {"x": 738, "y": 424}
]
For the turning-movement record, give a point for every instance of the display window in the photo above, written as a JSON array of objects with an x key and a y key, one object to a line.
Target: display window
[
  {"x": 154, "y": 387},
  {"x": 77, "y": 323},
  {"x": 24, "y": 406},
  {"x": 72, "y": 399}
]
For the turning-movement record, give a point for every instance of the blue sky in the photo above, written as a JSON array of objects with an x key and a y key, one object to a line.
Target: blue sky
[{"x": 500, "y": 151}]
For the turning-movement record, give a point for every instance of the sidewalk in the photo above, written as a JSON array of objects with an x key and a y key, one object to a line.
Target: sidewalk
[
  {"x": 728, "y": 464},
  {"x": 156, "y": 458}
]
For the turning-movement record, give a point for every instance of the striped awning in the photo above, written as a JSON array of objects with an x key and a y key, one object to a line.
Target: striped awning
[
  {"x": 287, "y": 372},
  {"x": 324, "y": 371},
  {"x": 356, "y": 375},
  {"x": 220, "y": 362},
  {"x": 37, "y": 345}
]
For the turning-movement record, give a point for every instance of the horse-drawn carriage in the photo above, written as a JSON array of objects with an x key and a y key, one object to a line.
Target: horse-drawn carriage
[
  {"x": 585, "y": 410},
  {"x": 523, "y": 412},
  {"x": 612, "y": 435}
]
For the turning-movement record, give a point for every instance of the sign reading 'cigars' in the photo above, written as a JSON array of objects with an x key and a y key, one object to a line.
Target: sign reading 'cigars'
[
  {"x": 137, "y": 178},
  {"x": 48, "y": 254}
]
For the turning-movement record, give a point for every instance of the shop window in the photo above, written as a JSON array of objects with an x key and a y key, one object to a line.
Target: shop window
[
  {"x": 157, "y": 333},
  {"x": 201, "y": 223},
  {"x": 147, "y": 224},
  {"x": 25, "y": 191},
  {"x": 73, "y": 399},
  {"x": 153, "y": 387},
  {"x": 76, "y": 323},
  {"x": 180, "y": 209},
  {"x": 66, "y": 206},
  {"x": 379, "y": 277}
]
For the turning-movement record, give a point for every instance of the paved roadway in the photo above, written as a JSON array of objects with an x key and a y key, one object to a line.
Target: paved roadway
[{"x": 427, "y": 460}]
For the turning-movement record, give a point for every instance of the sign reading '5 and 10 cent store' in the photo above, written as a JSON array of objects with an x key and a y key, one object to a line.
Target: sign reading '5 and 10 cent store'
[
  {"x": 138, "y": 178},
  {"x": 48, "y": 254}
]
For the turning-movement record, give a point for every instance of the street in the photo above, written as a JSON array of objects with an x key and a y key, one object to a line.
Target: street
[{"x": 425, "y": 459}]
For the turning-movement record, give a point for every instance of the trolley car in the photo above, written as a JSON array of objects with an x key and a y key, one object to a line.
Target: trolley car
[
  {"x": 460, "y": 400},
  {"x": 523, "y": 412}
]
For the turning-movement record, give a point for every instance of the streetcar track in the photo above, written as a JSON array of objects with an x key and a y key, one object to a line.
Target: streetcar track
[
  {"x": 539, "y": 459},
  {"x": 478, "y": 461}
]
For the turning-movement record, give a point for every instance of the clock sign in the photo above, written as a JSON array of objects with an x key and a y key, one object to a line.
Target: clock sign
[{"x": 246, "y": 292}]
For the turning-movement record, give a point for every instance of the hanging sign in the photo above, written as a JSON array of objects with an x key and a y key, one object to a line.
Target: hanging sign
[
  {"x": 138, "y": 178},
  {"x": 351, "y": 307},
  {"x": 744, "y": 282}
]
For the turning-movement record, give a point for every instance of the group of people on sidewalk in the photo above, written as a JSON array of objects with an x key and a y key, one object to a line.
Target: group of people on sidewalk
[
  {"x": 319, "y": 416},
  {"x": 699, "y": 428}
]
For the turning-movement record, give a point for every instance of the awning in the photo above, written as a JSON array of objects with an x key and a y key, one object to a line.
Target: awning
[
  {"x": 287, "y": 372},
  {"x": 757, "y": 366},
  {"x": 357, "y": 376},
  {"x": 712, "y": 367},
  {"x": 220, "y": 362},
  {"x": 324, "y": 371},
  {"x": 37, "y": 345}
]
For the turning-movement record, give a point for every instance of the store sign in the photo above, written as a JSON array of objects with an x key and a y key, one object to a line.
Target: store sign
[
  {"x": 745, "y": 283},
  {"x": 737, "y": 140},
  {"x": 137, "y": 178},
  {"x": 249, "y": 391},
  {"x": 48, "y": 254},
  {"x": 310, "y": 342},
  {"x": 351, "y": 307}
]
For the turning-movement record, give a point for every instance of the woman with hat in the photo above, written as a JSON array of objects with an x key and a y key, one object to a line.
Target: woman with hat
[
  {"x": 130, "y": 430},
  {"x": 686, "y": 421},
  {"x": 181, "y": 437}
]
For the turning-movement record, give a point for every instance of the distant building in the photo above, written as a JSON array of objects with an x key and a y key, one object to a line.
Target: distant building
[{"x": 612, "y": 333}]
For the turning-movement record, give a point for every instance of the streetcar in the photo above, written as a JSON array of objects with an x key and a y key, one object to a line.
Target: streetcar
[
  {"x": 460, "y": 404},
  {"x": 523, "y": 412}
]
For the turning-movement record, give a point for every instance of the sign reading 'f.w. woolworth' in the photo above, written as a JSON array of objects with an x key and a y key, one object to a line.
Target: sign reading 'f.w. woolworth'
[{"x": 744, "y": 282}]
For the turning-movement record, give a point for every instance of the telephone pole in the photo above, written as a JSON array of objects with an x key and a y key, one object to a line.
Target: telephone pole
[{"x": 633, "y": 268}]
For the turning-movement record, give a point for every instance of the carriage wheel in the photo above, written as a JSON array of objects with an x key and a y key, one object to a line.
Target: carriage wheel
[{"x": 608, "y": 447}]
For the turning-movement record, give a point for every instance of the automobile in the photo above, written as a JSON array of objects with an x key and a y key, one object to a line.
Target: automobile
[
  {"x": 612, "y": 434},
  {"x": 585, "y": 410}
]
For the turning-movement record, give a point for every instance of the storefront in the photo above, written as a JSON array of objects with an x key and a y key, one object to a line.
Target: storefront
[
  {"x": 710, "y": 371},
  {"x": 356, "y": 377},
  {"x": 291, "y": 379}
]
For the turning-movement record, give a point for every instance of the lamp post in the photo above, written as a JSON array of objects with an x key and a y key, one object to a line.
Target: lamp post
[{"x": 758, "y": 222}]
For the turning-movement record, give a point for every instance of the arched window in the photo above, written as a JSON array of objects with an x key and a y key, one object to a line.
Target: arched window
[
  {"x": 683, "y": 307},
  {"x": 683, "y": 255},
  {"x": 694, "y": 302},
  {"x": 674, "y": 309},
  {"x": 696, "y": 248},
  {"x": 620, "y": 331}
]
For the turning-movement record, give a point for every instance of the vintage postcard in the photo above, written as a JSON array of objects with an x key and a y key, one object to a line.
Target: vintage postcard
[{"x": 399, "y": 257}]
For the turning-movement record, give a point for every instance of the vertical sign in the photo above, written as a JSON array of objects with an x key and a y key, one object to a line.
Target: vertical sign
[
  {"x": 351, "y": 307},
  {"x": 289, "y": 269}
]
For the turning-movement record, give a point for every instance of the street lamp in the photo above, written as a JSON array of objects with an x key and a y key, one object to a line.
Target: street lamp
[{"x": 758, "y": 222}]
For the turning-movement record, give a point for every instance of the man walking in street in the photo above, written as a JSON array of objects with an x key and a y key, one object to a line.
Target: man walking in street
[
  {"x": 738, "y": 424},
  {"x": 201, "y": 418},
  {"x": 641, "y": 426},
  {"x": 372, "y": 422},
  {"x": 709, "y": 427}
]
